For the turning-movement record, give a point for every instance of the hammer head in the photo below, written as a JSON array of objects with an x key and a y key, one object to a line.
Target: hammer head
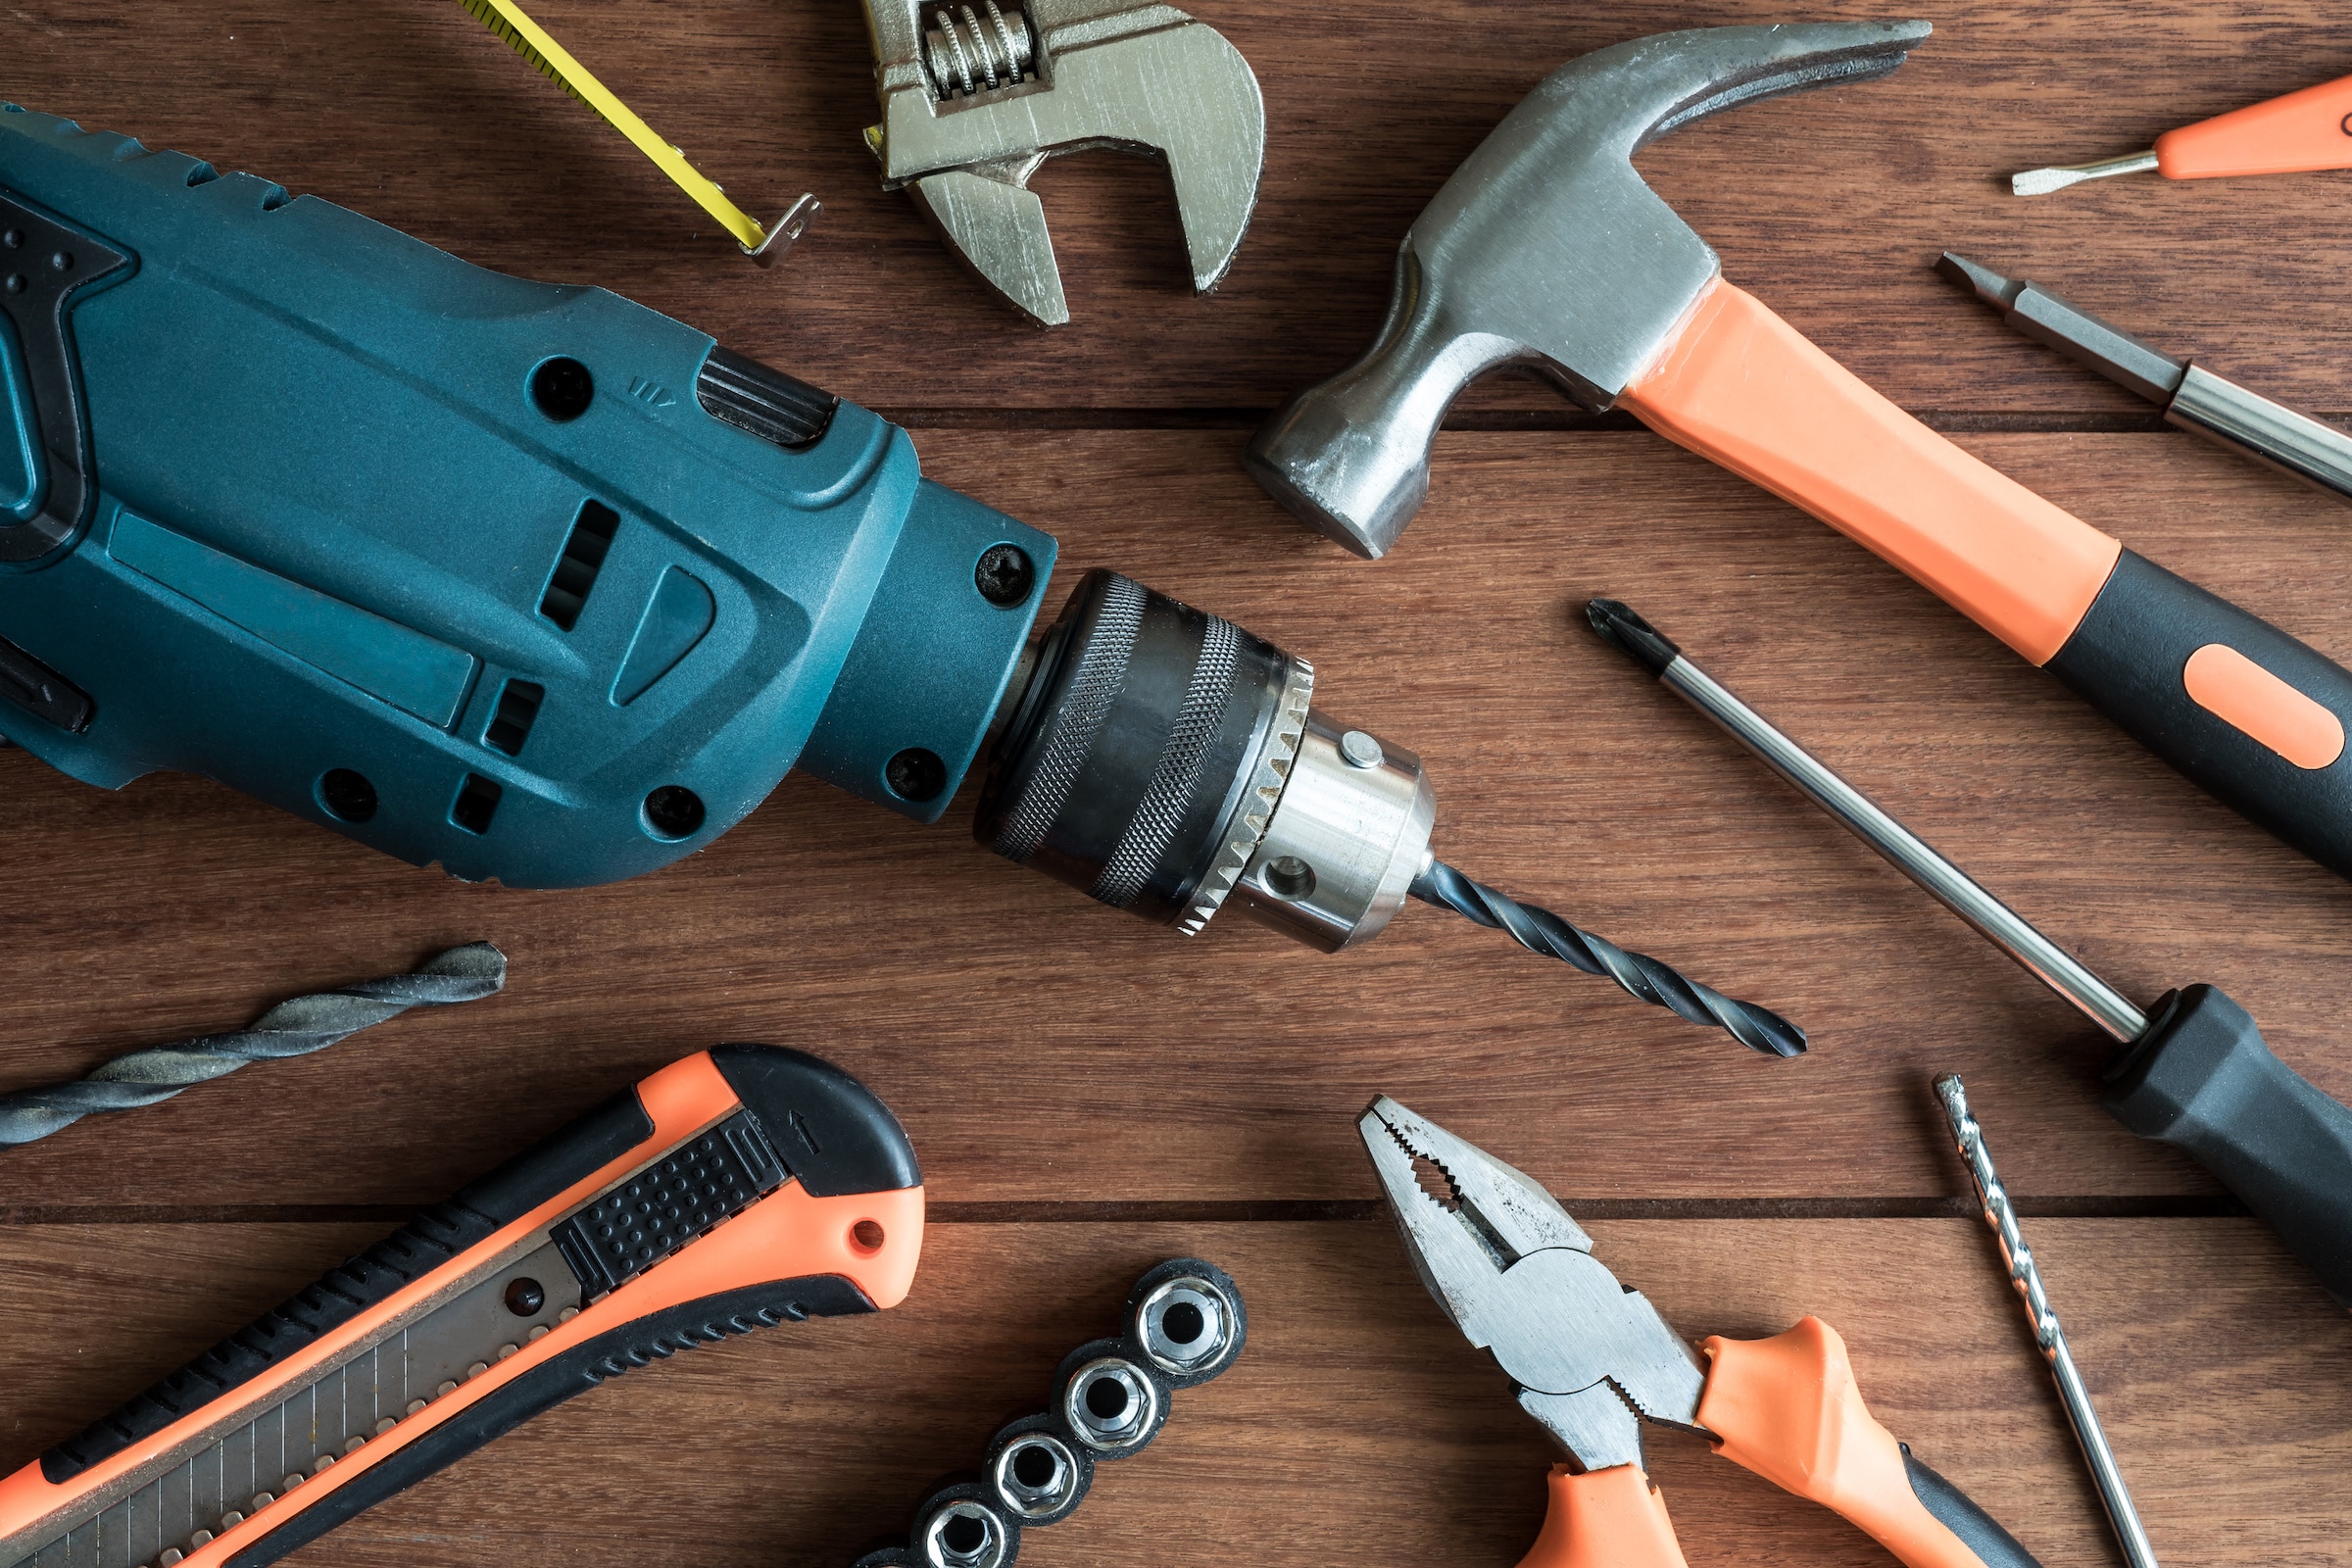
[{"x": 1546, "y": 249}]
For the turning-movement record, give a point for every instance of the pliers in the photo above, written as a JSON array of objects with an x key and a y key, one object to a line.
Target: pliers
[{"x": 1592, "y": 1359}]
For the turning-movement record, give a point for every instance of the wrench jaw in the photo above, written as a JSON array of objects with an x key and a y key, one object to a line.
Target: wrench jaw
[
  {"x": 1148, "y": 80},
  {"x": 995, "y": 226}
]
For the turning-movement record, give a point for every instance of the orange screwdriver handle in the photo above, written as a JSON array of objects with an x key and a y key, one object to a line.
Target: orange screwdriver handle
[
  {"x": 1612, "y": 1518},
  {"x": 2290, "y": 135},
  {"x": 1787, "y": 1408}
]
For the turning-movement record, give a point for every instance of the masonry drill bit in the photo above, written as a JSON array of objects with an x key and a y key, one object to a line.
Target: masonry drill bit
[
  {"x": 1640, "y": 974},
  {"x": 293, "y": 1028},
  {"x": 2049, "y": 1336}
]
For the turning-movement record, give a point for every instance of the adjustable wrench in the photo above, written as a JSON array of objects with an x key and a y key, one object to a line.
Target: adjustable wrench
[{"x": 976, "y": 96}]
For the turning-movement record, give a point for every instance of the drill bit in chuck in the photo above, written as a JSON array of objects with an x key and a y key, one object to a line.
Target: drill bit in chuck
[
  {"x": 1640, "y": 975},
  {"x": 293, "y": 1028}
]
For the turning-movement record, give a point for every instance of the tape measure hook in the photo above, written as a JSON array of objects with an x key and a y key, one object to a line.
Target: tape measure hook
[{"x": 785, "y": 231}]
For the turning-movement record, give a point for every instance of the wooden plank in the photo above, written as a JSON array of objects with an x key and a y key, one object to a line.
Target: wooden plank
[
  {"x": 1358, "y": 1424},
  {"x": 1043, "y": 1048},
  {"x": 1830, "y": 206}
]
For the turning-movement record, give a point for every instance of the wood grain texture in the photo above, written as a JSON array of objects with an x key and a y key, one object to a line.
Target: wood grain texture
[
  {"x": 1829, "y": 206},
  {"x": 1358, "y": 1425},
  {"x": 1054, "y": 1060},
  {"x": 1020, "y": 1030}
]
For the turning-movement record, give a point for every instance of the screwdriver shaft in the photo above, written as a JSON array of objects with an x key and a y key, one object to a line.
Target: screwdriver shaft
[
  {"x": 2025, "y": 1276},
  {"x": 1913, "y": 855},
  {"x": 1909, "y": 854},
  {"x": 2042, "y": 181}
]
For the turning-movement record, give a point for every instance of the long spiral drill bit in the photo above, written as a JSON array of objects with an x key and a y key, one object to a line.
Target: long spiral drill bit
[
  {"x": 1640, "y": 974},
  {"x": 2049, "y": 1336},
  {"x": 293, "y": 1028}
]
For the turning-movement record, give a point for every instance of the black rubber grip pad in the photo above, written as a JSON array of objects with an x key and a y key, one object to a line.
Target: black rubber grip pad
[
  {"x": 357, "y": 1283},
  {"x": 832, "y": 1132},
  {"x": 2126, "y": 658},
  {"x": 2203, "y": 1080},
  {"x": 635, "y": 1343},
  {"x": 1979, "y": 1530}
]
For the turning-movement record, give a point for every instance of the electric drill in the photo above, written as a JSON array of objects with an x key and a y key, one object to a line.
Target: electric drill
[{"x": 539, "y": 584}]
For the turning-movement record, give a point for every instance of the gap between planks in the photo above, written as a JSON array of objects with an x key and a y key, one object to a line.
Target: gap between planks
[
  {"x": 1948, "y": 422},
  {"x": 1297, "y": 1211}
]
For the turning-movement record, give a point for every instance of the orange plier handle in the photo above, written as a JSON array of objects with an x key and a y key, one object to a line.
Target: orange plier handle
[{"x": 1787, "y": 1408}]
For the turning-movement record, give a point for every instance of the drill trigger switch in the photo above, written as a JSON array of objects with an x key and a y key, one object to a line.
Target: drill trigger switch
[{"x": 43, "y": 267}]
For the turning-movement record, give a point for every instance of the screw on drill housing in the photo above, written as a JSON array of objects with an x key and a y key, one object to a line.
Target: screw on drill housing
[{"x": 1185, "y": 1325}]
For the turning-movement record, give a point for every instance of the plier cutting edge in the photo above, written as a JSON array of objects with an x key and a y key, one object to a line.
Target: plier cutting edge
[{"x": 1592, "y": 1359}]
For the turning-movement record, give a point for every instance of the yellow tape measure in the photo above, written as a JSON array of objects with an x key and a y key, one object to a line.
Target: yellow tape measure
[{"x": 528, "y": 39}]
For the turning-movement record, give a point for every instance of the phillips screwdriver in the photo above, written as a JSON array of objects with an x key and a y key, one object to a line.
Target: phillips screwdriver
[
  {"x": 2194, "y": 1072},
  {"x": 2191, "y": 396},
  {"x": 2295, "y": 134},
  {"x": 739, "y": 1187}
]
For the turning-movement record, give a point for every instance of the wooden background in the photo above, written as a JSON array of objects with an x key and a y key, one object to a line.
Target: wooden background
[{"x": 1089, "y": 1095}]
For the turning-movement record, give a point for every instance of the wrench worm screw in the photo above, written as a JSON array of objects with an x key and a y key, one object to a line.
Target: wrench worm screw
[
  {"x": 293, "y": 1028},
  {"x": 1638, "y": 973}
]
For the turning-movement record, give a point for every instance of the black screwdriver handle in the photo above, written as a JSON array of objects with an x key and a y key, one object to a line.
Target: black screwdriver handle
[
  {"x": 2203, "y": 1080},
  {"x": 2252, "y": 716}
]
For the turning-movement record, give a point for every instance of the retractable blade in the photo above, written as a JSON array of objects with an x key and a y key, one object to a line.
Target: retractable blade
[{"x": 741, "y": 1187}]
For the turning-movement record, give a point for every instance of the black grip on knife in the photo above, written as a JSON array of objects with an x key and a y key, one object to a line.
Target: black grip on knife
[
  {"x": 435, "y": 1236},
  {"x": 2203, "y": 1080},
  {"x": 1979, "y": 1530},
  {"x": 2129, "y": 658},
  {"x": 634, "y": 1344}
]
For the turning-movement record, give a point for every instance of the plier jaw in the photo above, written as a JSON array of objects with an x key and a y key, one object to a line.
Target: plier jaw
[
  {"x": 1592, "y": 1359},
  {"x": 1517, "y": 1273}
]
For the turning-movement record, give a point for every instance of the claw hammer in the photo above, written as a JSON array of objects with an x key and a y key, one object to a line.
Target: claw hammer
[{"x": 1546, "y": 250}]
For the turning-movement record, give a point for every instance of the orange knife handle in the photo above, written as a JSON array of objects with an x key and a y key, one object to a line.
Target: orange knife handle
[
  {"x": 1787, "y": 1408},
  {"x": 1612, "y": 1518},
  {"x": 2290, "y": 135},
  {"x": 739, "y": 1186},
  {"x": 1745, "y": 388}
]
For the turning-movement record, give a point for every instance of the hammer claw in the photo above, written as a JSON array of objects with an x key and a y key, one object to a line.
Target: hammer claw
[{"x": 1544, "y": 250}]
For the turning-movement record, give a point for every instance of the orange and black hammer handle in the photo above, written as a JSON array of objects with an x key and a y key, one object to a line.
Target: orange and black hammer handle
[
  {"x": 2245, "y": 711},
  {"x": 739, "y": 1186}
]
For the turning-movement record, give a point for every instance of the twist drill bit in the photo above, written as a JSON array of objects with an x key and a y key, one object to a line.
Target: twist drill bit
[
  {"x": 1640, "y": 974},
  {"x": 2001, "y": 1215},
  {"x": 293, "y": 1028}
]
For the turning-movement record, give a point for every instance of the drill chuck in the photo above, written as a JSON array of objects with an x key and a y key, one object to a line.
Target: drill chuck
[{"x": 1163, "y": 760}]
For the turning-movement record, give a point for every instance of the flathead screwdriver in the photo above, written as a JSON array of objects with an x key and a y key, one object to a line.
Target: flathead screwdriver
[
  {"x": 2297, "y": 133},
  {"x": 2195, "y": 1071}
]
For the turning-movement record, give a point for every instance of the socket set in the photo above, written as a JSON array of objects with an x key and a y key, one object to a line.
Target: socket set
[{"x": 1184, "y": 1324}]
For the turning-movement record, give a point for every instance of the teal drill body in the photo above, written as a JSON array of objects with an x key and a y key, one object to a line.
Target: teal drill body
[{"x": 520, "y": 578}]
